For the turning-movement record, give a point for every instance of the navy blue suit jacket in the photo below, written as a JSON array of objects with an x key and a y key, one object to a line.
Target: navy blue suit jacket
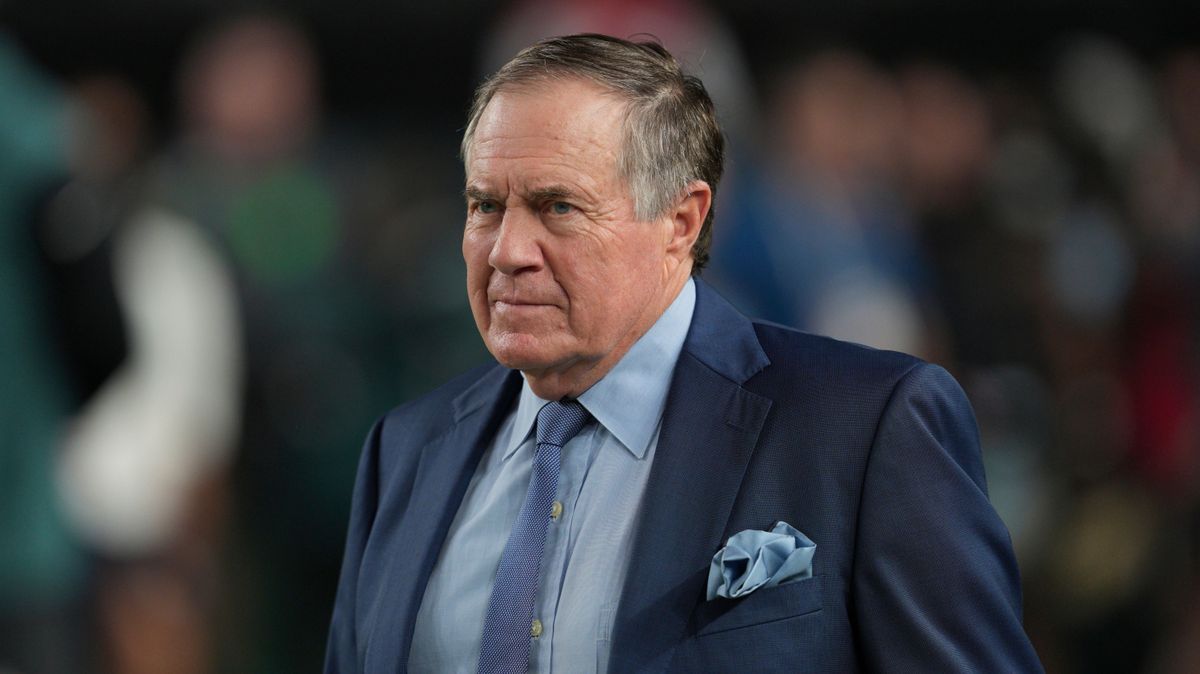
[{"x": 873, "y": 454}]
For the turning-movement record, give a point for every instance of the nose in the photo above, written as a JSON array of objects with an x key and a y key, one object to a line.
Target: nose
[{"x": 517, "y": 247}]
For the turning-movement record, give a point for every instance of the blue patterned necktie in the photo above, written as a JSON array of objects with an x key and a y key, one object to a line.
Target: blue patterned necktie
[{"x": 508, "y": 624}]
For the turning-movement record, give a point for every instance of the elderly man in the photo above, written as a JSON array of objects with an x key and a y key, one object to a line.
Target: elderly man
[{"x": 647, "y": 480}]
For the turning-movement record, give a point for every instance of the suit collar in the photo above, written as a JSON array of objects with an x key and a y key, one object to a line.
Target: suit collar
[
  {"x": 486, "y": 391},
  {"x": 629, "y": 400},
  {"x": 723, "y": 339},
  {"x": 710, "y": 428}
]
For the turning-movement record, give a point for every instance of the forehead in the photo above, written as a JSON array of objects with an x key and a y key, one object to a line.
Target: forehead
[{"x": 548, "y": 127}]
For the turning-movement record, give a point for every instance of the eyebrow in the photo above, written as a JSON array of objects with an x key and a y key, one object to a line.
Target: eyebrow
[
  {"x": 551, "y": 193},
  {"x": 539, "y": 195},
  {"x": 472, "y": 193}
]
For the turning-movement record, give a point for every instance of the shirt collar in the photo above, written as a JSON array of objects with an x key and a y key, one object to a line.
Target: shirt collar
[{"x": 629, "y": 400}]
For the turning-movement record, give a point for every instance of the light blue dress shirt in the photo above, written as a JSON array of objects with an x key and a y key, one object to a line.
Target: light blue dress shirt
[{"x": 588, "y": 546}]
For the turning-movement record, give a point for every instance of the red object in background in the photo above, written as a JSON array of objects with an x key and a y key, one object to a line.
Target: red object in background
[{"x": 1163, "y": 387}]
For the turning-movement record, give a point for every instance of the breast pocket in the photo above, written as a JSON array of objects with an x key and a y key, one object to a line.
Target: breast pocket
[{"x": 765, "y": 605}]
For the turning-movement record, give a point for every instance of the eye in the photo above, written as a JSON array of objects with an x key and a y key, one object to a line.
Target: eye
[
  {"x": 486, "y": 206},
  {"x": 561, "y": 208}
]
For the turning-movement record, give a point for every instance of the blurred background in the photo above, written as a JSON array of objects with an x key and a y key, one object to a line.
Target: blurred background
[{"x": 229, "y": 240}]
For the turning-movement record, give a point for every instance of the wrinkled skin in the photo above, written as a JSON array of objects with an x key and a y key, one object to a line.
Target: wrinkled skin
[{"x": 563, "y": 278}]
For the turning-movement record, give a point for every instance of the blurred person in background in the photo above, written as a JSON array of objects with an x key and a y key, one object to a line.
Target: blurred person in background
[
  {"x": 978, "y": 278},
  {"x": 148, "y": 320},
  {"x": 821, "y": 239},
  {"x": 1060, "y": 319},
  {"x": 1123, "y": 351},
  {"x": 324, "y": 304},
  {"x": 241, "y": 175},
  {"x": 1163, "y": 194},
  {"x": 137, "y": 333},
  {"x": 1058, "y": 192}
]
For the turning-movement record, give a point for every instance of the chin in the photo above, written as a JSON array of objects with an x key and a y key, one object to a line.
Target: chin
[{"x": 520, "y": 351}]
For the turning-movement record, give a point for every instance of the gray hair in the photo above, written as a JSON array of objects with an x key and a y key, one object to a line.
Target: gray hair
[{"x": 671, "y": 132}]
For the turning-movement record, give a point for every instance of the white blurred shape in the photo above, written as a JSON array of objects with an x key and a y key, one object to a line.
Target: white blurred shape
[
  {"x": 1109, "y": 95},
  {"x": 171, "y": 412},
  {"x": 860, "y": 306}
]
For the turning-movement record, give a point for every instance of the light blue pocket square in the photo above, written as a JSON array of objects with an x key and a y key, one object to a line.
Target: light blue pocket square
[{"x": 752, "y": 559}]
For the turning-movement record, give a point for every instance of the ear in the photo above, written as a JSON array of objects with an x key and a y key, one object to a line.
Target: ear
[{"x": 688, "y": 217}]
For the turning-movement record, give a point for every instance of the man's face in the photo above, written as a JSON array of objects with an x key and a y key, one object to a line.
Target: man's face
[{"x": 561, "y": 275}]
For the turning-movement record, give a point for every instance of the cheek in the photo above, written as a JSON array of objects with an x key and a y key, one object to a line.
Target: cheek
[
  {"x": 476, "y": 249},
  {"x": 616, "y": 292},
  {"x": 633, "y": 270}
]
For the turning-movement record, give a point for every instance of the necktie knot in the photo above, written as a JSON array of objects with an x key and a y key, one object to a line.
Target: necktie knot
[{"x": 558, "y": 422}]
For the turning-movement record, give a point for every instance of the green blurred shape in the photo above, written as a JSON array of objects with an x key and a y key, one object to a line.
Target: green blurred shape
[{"x": 284, "y": 227}]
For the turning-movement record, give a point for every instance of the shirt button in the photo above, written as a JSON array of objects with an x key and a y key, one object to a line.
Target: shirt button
[
  {"x": 555, "y": 510},
  {"x": 536, "y": 630}
]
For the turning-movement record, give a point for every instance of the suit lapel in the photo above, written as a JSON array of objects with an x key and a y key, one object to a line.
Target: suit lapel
[
  {"x": 710, "y": 427},
  {"x": 443, "y": 473}
]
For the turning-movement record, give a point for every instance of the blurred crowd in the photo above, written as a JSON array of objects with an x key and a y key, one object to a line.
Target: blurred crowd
[{"x": 200, "y": 325}]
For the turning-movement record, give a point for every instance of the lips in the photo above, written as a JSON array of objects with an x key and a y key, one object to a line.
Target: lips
[
  {"x": 505, "y": 291},
  {"x": 520, "y": 300},
  {"x": 517, "y": 302},
  {"x": 519, "y": 307}
]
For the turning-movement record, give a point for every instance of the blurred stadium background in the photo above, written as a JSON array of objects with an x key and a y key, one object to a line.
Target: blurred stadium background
[{"x": 229, "y": 240}]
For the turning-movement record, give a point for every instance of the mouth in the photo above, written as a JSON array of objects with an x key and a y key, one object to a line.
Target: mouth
[{"x": 517, "y": 304}]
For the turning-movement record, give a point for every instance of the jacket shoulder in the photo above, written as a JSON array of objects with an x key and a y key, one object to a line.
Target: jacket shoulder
[
  {"x": 424, "y": 418},
  {"x": 800, "y": 356}
]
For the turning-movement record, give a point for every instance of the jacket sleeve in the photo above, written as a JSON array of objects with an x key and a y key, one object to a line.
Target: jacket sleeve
[
  {"x": 936, "y": 586},
  {"x": 342, "y": 650}
]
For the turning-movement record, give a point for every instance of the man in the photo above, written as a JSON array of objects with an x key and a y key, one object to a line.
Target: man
[{"x": 560, "y": 511}]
